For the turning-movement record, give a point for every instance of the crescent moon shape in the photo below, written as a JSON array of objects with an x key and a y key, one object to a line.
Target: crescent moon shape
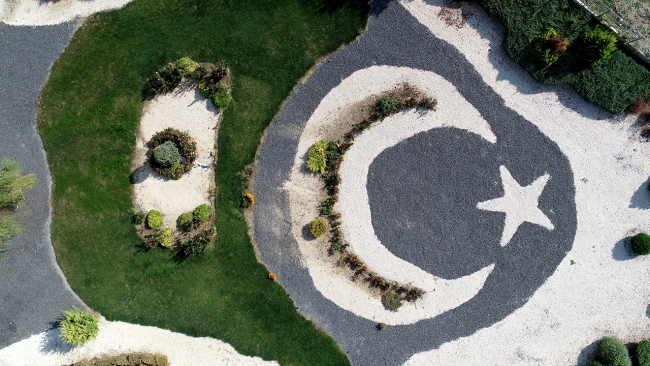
[{"x": 453, "y": 111}]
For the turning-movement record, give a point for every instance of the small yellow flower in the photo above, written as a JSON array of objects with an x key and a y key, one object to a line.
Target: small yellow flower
[{"x": 272, "y": 276}]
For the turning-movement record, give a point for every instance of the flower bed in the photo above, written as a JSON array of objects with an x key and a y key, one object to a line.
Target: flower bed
[{"x": 186, "y": 147}]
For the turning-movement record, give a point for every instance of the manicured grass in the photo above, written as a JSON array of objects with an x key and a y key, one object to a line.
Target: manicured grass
[
  {"x": 613, "y": 84},
  {"x": 89, "y": 111}
]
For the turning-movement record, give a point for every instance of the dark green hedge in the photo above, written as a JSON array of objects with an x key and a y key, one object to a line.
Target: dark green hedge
[{"x": 612, "y": 84}]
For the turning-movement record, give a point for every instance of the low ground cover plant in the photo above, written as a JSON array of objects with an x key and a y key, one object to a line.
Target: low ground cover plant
[
  {"x": 12, "y": 185},
  {"x": 172, "y": 153},
  {"x": 78, "y": 327},
  {"x": 130, "y": 359},
  {"x": 325, "y": 157},
  {"x": 608, "y": 78}
]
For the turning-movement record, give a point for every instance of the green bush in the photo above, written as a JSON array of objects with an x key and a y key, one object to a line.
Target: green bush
[
  {"x": 138, "y": 217},
  {"x": 201, "y": 213},
  {"x": 549, "y": 47},
  {"x": 316, "y": 160},
  {"x": 197, "y": 244},
  {"x": 186, "y": 221},
  {"x": 167, "y": 154},
  {"x": 164, "y": 238},
  {"x": 154, "y": 219},
  {"x": 391, "y": 300},
  {"x": 187, "y": 66},
  {"x": 596, "y": 45},
  {"x": 164, "y": 80},
  {"x": 384, "y": 107},
  {"x": 221, "y": 99},
  {"x": 78, "y": 327},
  {"x": 642, "y": 352},
  {"x": 185, "y": 145},
  {"x": 132, "y": 359},
  {"x": 595, "y": 363},
  {"x": 318, "y": 227},
  {"x": 612, "y": 352},
  {"x": 641, "y": 244}
]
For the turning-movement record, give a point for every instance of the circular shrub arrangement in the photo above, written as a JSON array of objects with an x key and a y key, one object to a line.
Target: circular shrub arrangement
[
  {"x": 78, "y": 327},
  {"x": 612, "y": 352},
  {"x": 154, "y": 219},
  {"x": 186, "y": 221},
  {"x": 167, "y": 154},
  {"x": 160, "y": 159},
  {"x": 164, "y": 237},
  {"x": 201, "y": 213},
  {"x": 318, "y": 227},
  {"x": 641, "y": 244}
]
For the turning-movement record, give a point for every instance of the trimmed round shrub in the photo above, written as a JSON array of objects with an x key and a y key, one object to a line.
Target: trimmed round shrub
[
  {"x": 164, "y": 238},
  {"x": 641, "y": 244},
  {"x": 167, "y": 154},
  {"x": 316, "y": 160},
  {"x": 186, "y": 221},
  {"x": 318, "y": 227},
  {"x": 78, "y": 327},
  {"x": 187, "y": 66},
  {"x": 154, "y": 219},
  {"x": 596, "y": 45},
  {"x": 612, "y": 352},
  {"x": 642, "y": 352},
  {"x": 201, "y": 213},
  {"x": 185, "y": 146}
]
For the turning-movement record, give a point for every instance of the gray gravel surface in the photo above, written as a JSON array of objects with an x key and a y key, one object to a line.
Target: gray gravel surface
[
  {"x": 394, "y": 37},
  {"x": 33, "y": 291}
]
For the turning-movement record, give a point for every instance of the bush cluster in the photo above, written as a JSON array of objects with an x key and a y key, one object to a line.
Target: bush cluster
[
  {"x": 154, "y": 219},
  {"x": 78, "y": 327},
  {"x": 641, "y": 244},
  {"x": 166, "y": 162},
  {"x": 316, "y": 157},
  {"x": 132, "y": 359}
]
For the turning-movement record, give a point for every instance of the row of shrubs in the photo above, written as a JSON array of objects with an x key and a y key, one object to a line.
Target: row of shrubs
[
  {"x": 197, "y": 235},
  {"x": 325, "y": 159},
  {"x": 131, "y": 359},
  {"x": 596, "y": 68},
  {"x": 611, "y": 352},
  {"x": 214, "y": 80}
]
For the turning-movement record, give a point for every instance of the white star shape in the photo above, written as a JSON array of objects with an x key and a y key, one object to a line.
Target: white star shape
[{"x": 519, "y": 204}]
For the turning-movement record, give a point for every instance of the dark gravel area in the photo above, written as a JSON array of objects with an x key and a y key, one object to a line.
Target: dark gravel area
[
  {"x": 395, "y": 38},
  {"x": 33, "y": 291}
]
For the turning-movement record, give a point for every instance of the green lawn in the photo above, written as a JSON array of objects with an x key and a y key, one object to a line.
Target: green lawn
[
  {"x": 613, "y": 84},
  {"x": 89, "y": 111}
]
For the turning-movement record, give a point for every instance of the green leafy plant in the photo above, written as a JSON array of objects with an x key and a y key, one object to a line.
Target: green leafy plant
[
  {"x": 164, "y": 238},
  {"x": 201, "y": 213},
  {"x": 611, "y": 352},
  {"x": 247, "y": 200},
  {"x": 12, "y": 184},
  {"x": 549, "y": 47},
  {"x": 186, "y": 221},
  {"x": 641, "y": 244},
  {"x": 197, "y": 244},
  {"x": 595, "y": 363},
  {"x": 316, "y": 161},
  {"x": 384, "y": 107},
  {"x": 596, "y": 45},
  {"x": 164, "y": 80},
  {"x": 390, "y": 300},
  {"x": 167, "y": 154},
  {"x": 642, "y": 352},
  {"x": 318, "y": 227},
  {"x": 138, "y": 217},
  {"x": 187, "y": 66},
  {"x": 78, "y": 327},
  {"x": 154, "y": 219}
]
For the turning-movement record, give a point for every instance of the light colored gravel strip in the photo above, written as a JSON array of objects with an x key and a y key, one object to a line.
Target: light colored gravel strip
[
  {"x": 33, "y": 12},
  {"x": 604, "y": 291},
  {"x": 46, "y": 349},
  {"x": 187, "y": 111},
  {"x": 333, "y": 282}
]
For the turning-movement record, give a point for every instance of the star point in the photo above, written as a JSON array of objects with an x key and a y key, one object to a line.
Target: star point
[{"x": 520, "y": 204}]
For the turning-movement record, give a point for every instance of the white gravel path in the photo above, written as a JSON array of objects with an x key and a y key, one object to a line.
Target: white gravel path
[
  {"x": 33, "y": 12},
  {"x": 47, "y": 349}
]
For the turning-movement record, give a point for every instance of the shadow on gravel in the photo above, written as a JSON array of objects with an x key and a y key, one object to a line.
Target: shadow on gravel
[
  {"x": 52, "y": 342},
  {"x": 641, "y": 198},
  {"x": 622, "y": 250},
  {"x": 587, "y": 354}
]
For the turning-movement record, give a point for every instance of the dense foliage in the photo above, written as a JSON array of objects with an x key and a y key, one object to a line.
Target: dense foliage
[
  {"x": 154, "y": 219},
  {"x": 316, "y": 157},
  {"x": 318, "y": 227},
  {"x": 642, "y": 353},
  {"x": 641, "y": 244},
  {"x": 166, "y": 162},
  {"x": 78, "y": 327},
  {"x": 131, "y": 359},
  {"x": 611, "y": 352}
]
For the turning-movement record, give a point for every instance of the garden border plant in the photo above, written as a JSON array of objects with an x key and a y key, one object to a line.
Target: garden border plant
[{"x": 325, "y": 157}]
